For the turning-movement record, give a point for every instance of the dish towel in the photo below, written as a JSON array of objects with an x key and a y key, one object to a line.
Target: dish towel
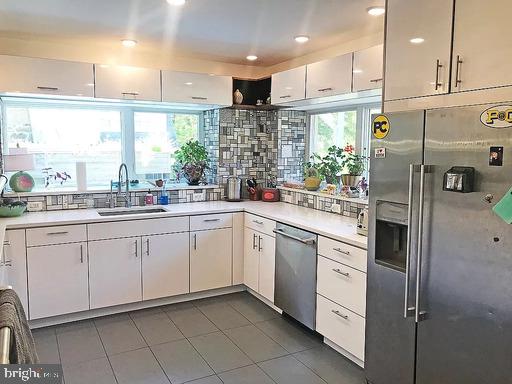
[{"x": 12, "y": 315}]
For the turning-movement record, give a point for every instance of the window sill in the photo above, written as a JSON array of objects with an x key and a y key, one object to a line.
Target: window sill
[
  {"x": 93, "y": 190},
  {"x": 323, "y": 194}
]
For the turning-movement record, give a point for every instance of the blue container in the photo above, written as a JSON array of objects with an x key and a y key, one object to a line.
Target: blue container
[{"x": 164, "y": 200}]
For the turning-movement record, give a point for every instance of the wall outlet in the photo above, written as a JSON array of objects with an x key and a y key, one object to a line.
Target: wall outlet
[
  {"x": 336, "y": 208},
  {"x": 34, "y": 206},
  {"x": 199, "y": 196}
]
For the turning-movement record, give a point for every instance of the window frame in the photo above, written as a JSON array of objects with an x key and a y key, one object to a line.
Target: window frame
[{"x": 127, "y": 112}]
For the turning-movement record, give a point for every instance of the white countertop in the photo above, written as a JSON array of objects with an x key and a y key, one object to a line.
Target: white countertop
[{"x": 327, "y": 224}]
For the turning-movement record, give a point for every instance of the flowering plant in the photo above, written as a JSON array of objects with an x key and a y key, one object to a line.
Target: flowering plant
[{"x": 352, "y": 162}]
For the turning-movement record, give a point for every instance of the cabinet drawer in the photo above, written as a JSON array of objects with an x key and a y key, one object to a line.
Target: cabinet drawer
[
  {"x": 342, "y": 253},
  {"x": 56, "y": 235},
  {"x": 341, "y": 326},
  {"x": 260, "y": 224},
  {"x": 203, "y": 222},
  {"x": 118, "y": 229},
  {"x": 341, "y": 284}
]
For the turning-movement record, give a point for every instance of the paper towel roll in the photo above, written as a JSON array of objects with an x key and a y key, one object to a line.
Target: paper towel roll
[{"x": 81, "y": 176}]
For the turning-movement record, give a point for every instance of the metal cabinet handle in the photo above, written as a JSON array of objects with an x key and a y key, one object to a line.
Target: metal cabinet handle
[
  {"x": 305, "y": 241},
  {"x": 259, "y": 244},
  {"x": 340, "y": 272},
  {"x": 7, "y": 243},
  {"x": 258, "y": 222},
  {"x": 325, "y": 89},
  {"x": 136, "y": 249},
  {"x": 341, "y": 251},
  {"x": 130, "y": 93},
  {"x": 438, "y": 67},
  {"x": 81, "y": 253},
  {"x": 199, "y": 98},
  {"x": 409, "y": 310},
  {"x": 254, "y": 241},
  {"x": 147, "y": 246},
  {"x": 458, "y": 66},
  {"x": 285, "y": 96},
  {"x": 419, "y": 256},
  {"x": 210, "y": 220},
  {"x": 195, "y": 241},
  {"x": 376, "y": 80},
  {"x": 338, "y": 313},
  {"x": 57, "y": 233},
  {"x": 47, "y": 88}
]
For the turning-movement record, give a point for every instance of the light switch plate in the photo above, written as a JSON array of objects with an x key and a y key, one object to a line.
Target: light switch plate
[{"x": 34, "y": 206}]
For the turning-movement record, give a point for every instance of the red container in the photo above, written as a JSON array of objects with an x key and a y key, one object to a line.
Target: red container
[{"x": 270, "y": 194}]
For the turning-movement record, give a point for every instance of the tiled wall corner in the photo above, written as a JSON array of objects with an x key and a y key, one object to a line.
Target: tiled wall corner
[{"x": 291, "y": 145}]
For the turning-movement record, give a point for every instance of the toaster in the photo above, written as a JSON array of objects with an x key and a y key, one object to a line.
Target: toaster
[{"x": 362, "y": 222}]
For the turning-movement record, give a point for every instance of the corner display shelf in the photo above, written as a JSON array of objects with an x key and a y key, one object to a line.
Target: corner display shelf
[{"x": 264, "y": 107}]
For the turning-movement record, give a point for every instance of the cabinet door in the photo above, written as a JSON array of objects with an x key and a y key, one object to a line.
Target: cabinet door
[
  {"x": 267, "y": 248},
  {"x": 165, "y": 265},
  {"x": 481, "y": 45},
  {"x": 115, "y": 272},
  {"x": 367, "y": 73},
  {"x": 210, "y": 259},
  {"x": 57, "y": 279},
  {"x": 289, "y": 85},
  {"x": 412, "y": 68},
  {"x": 130, "y": 83},
  {"x": 196, "y": 88},
  {"x": 50, "y": 77},
  {"x": 251, "y": 259},
  {"x": 329, "y": 77},
  {"x": 14, "y": 262}
]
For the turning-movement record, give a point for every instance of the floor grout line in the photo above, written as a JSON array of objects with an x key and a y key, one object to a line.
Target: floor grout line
[{"x": 105, "y": 350}]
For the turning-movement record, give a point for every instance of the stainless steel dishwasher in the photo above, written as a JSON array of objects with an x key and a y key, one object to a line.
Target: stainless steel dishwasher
[{"x": 295, "y": 286}]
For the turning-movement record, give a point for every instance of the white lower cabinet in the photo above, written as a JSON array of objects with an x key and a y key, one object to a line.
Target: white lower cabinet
[
  {"x": 341, "y": 326},
  {"x": 115, "y": 272},
  {"x": 57, "y": 277},
  {"x": 165, "y": 265},
  {"x": 14, "y": 262},
  {"x": 211, "y": 257},
  {"x": 251, "y": 259}
]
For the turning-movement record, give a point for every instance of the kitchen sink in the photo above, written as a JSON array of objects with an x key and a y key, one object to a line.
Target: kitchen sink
[{"x": 134, "y": 211}]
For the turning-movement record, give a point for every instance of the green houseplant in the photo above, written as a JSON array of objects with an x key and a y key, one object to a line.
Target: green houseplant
[
  {"x": 330, "y": 165},
  {"x": 353, "y": 164},
  {"x": 191, "y": 161}
]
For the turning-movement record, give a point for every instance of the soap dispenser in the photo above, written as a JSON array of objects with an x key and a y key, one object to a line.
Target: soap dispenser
[{"x": 149, "y": 199}]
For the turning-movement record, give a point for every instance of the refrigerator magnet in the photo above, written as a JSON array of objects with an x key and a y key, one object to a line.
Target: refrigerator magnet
[
  {"x": 381, "y": 126},
  {"x": 496, "y": 157},
  {"x": 380, "y": 153},
  {"x": 504, "y": 207}
]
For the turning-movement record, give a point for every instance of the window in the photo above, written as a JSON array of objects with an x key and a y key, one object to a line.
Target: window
[{"x": 104, "y": 135}]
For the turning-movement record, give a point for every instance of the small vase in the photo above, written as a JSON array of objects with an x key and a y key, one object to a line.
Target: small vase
[
  {"x": 238, "y": 97},
  {"x": 350, "y": 180}
]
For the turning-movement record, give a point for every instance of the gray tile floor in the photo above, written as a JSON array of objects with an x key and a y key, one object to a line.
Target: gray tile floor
[{"x": 232, "y": 339}]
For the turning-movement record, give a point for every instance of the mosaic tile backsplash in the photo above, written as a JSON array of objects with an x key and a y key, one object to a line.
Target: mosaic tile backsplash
[{"x": 323, "y": 203}]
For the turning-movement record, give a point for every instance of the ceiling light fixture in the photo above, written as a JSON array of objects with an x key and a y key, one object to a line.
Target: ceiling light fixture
[
  {"x": 376, "y": 11},
  {"x": 128, "y": 43},
  {"x": 357, "y": 71},
  {"x": 188, "y": 83},
  {"x": 417, "y": 40},
  {"x": 252, "y": 57},
  {"x": 176, "y": 2},
  {"x": 302, "y": 39}
]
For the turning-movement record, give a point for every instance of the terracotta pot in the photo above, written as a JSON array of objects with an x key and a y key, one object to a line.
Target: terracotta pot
[
  {"x": 312, "y": 183},
  {"x": 350, "y": 180}
]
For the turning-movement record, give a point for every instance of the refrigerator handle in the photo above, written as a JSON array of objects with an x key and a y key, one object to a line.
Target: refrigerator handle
[
  {"x": 409, "y": 311},
  {"x": 418, "y": 316}
]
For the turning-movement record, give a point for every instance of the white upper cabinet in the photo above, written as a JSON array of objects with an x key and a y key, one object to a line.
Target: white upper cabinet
[
  {"x": 481, "y": 45},
  {"x": 367, "y": 71},
  {"x": 418, "y": 46},
  {"x": 329, "y": 77},
  {"x": 129, "y": 83},
  {"x": 196, "y": 88},
  {"x": 289, "y": 86},
  {"x": 42, "y": 76}
]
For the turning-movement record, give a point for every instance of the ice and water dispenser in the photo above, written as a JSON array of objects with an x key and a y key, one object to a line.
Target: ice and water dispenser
[{"x": 391, "y": 234}]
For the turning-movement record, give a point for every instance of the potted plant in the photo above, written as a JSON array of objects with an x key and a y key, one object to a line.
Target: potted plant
[
  {"x": 191, "y": 161},
  {"x": 330, "y": 165},
  {"x": 353, "y": 164},
  {"x": 312, "y": 180}
]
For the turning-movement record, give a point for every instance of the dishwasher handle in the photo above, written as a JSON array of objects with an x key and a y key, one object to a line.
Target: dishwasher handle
[{"x": 308, "y": 241}]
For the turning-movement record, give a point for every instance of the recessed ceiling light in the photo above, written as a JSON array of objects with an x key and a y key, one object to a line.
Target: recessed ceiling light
[
  {"x": 90, "y": 84},
  {"x": 188, "y": 83},
  {"x": 129, "y": 43},
  {"x": 376, "y": 11},
  {"x": 252, "y": 57},
  {"x": 357, "y": 71},
  {"x": 302, "y": 39},
  {"x": 417, "y": 40},
  {"x": 176, "y": 2},
  {"x": 288, "y": 88},
  {"x": 211, "y": 74}
]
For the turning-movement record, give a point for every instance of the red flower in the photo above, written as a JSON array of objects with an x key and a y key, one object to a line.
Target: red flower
[{"x": 349, "y": 148}]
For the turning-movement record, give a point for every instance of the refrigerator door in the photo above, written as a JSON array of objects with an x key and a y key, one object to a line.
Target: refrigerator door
[
  {"x": 390, "y": 338},
  {"x": 465, "y": 336}
]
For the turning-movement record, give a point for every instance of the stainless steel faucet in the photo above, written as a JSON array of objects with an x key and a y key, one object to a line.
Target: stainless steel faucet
[{"x": 126, "y": 195}]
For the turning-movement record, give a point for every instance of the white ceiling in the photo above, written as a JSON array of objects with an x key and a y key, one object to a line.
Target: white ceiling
[{"x": 219, "y": 30}]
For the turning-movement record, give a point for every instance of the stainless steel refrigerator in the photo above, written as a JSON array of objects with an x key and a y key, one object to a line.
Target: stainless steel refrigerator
[{"x": 439, "y": 301}]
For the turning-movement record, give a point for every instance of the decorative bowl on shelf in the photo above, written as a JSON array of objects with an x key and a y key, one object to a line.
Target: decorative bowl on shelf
[{"x": 12, "y": 209}]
